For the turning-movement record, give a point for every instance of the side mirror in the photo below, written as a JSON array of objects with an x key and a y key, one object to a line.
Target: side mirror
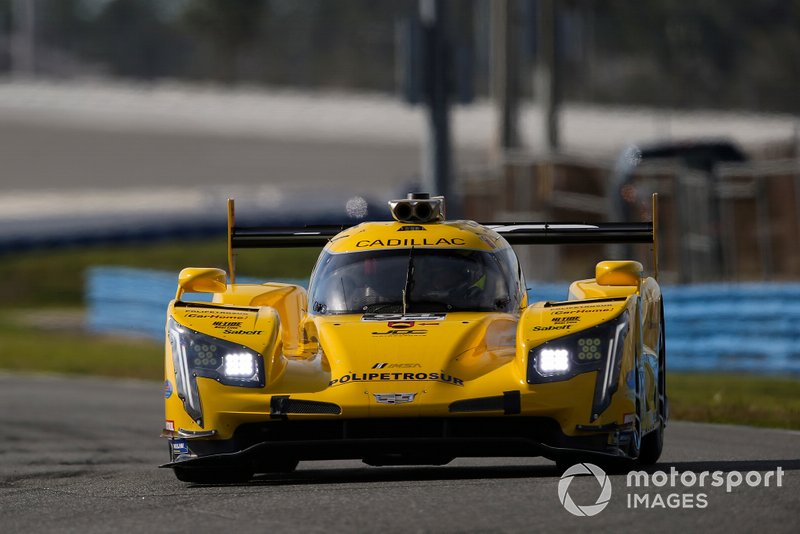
[
  {"x": 619, "y": 273},
  {"x": 201, "y": 280}
]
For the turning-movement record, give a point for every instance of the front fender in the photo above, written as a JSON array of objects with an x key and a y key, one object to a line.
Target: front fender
[{"x": 544, "y": 321}]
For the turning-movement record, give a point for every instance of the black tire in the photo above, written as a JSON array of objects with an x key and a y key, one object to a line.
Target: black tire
[
  {"x": 652, "y": 444},
  {"x": 213, "y": 475}
]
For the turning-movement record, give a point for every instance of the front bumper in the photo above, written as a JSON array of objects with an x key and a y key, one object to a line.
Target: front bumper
[{"x": 436, "y": 437}]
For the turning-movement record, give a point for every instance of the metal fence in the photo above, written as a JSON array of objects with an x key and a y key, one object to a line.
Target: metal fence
[
  {"x": 749, "y": 327},
  {"x": 740, "y": 222}
]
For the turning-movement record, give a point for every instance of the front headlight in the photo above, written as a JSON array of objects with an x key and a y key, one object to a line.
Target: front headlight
[
  {"x": 552, "y": 362},
  {"x": 195, "y": 354},
  {"x": 239, "y": 365},
  {"x": 599, "y": 348}
]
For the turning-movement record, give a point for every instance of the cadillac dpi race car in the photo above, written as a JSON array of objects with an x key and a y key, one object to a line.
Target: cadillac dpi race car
[{"x": 414, "y": 344}]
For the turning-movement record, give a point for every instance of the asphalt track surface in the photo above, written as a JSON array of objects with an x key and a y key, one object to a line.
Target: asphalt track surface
[
  {"x": 63, "y": 157},
  {"x": 63, "y": 180},
  {"x": 80, "y": 455}
]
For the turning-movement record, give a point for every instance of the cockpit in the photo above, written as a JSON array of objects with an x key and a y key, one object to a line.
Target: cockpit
[{"x": 416, "y": 280}]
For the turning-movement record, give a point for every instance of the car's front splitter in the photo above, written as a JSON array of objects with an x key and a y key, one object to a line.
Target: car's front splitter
[{"x": 411, "y": 438}]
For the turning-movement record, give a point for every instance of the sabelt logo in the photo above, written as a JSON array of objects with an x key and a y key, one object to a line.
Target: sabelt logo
[{"x": 552, "y": 327}]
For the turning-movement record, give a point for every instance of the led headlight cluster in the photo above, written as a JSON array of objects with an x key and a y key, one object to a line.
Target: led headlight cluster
[
  {"x": 589, "y": 349},
  {"x": 239, "y": 365},
  {"x": 598, "y": 348},
  {"x": 195, "y": 354},
  {"x": 552, "y": 361}
]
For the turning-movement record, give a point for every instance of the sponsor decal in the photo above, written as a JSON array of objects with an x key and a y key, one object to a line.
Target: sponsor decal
[
  {"x": 167, "y": 389},
  {"x": 554, "y": 327},
  {"x": 383, "y": 365},
  {"x": 179, "y": 446},
  {"x": 399, "y": 317},
  {"x": 410, "y": 242},
  {"x": 169, "y": 425},
  {"x": 565, "y": 319},
  {"x": 401, "y": 333},
  {"x": 224, "y": 315},
  {"x": 394, "y": 398},
  {"x": 397, "y": 377},
  {"x": 243, "y": 332},
  {"x": 597, "y": 308},
  {"x": 227, "y": 324}
]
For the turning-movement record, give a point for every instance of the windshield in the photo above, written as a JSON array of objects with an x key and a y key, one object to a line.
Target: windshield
[{"x": 433, "y": 280}]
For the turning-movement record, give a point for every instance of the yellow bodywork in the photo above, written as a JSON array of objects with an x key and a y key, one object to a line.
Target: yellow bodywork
[{"x": 347, "y": 360}]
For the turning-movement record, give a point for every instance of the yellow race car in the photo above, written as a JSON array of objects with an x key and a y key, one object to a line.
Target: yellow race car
[{"x": 414, "y": 344}]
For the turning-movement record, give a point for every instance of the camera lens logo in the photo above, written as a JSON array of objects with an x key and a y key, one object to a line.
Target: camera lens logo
[{"x": 589, "y": 509}]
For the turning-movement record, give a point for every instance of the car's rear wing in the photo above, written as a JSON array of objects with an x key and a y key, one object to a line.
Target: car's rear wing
[{"x": 516, "y": 233}]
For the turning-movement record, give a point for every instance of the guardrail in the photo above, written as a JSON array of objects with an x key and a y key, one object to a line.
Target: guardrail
[{"x": 751, "y": 327}]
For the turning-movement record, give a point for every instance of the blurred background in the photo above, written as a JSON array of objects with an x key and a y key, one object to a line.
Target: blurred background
[
  {"x": 125, "y": 124},
  {"x": 112, "y": 111}
]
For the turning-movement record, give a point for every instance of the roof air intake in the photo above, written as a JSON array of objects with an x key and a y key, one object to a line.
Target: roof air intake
[{"x": 418, "y": 208}]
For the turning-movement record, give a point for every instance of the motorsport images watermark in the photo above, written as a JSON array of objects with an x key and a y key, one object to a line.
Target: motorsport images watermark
[
  {"x": 690, "y": 487},
  {"x": 589, "y": 509}
]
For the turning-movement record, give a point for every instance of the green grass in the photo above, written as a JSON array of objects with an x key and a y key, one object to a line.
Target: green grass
[
  {"x": 28, "y": 348},
  {"x": 735, "y": 399},
  {"x": 55, "y": 277}
]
